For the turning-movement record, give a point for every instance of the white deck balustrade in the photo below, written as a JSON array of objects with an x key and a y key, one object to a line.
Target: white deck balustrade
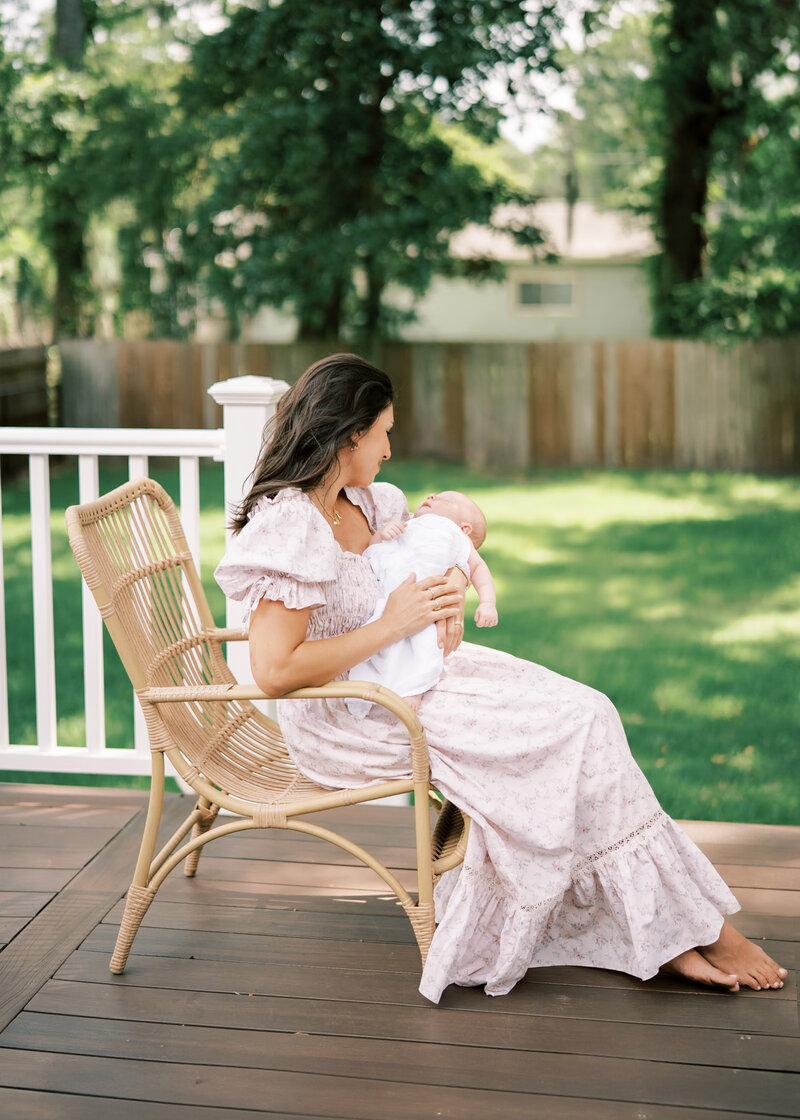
[{"x": 247, "y": 404}]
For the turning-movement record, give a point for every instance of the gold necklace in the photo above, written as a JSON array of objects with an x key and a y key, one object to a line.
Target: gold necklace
[{"x": 335, "y": 518}]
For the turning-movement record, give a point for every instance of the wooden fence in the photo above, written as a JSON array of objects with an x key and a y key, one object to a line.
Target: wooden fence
[
  {"x": 23, "y": 387},
  {"x": 646, "y": 403}
]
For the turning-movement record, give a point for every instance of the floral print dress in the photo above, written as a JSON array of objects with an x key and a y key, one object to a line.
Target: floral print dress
[{"x": 570, "y": 859}]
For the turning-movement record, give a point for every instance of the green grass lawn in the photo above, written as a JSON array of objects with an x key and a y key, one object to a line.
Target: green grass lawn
[{"x": 677, "y": 594}]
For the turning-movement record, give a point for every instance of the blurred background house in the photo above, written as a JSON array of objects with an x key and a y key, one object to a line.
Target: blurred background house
[{"x": 596, "y": 287}]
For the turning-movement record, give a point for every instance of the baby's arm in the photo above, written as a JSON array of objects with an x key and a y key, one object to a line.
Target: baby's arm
[
  {"x": 486, "y": 614},
  {"x": 388, "y": 532}
]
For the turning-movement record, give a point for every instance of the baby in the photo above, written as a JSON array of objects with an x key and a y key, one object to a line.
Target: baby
[{"x": 445, "y": 532}]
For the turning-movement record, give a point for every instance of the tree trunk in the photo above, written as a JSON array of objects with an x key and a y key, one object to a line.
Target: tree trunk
[
  {"x": 67, "y": 244},
  {"x": 69, "y": 42},
  {"x": 373, "y": 302},
  {"x": 692, "y": 114},
  {"x": 324, "y": 321},
  {"x": 65, "y": 218}
]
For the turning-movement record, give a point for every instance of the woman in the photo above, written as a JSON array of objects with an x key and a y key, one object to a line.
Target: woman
[{"x": 570, "y": 859}]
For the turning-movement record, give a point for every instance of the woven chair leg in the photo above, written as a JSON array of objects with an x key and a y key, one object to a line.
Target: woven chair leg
[
  {"x": 423, "y": 924},
  {"x": 136, "y": 906},
  {"x": 208, "y": 814}
]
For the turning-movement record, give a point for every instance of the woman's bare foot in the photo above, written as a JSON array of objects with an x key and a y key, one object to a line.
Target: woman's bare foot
[
  {"x": 732, "y": 952},
  {"x": 692, "y": 966}
]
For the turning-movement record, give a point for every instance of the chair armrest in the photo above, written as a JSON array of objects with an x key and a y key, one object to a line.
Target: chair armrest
[
  {"x": 374, "y": 693},
  {"x": 226, "y": 634}
]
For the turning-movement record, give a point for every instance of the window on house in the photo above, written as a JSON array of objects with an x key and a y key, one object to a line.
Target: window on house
[{"x": 535, "y": 293}]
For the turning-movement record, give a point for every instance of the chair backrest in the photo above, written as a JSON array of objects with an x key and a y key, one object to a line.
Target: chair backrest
[{"x": 133, "y": 554}]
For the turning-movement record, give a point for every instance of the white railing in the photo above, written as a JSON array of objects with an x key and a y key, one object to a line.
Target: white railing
[{"x": 247, "y": 404}]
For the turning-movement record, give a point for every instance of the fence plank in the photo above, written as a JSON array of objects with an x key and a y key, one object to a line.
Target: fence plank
[
  {"x": 637, "y": 403},
  {"x": 662, "y": 416},
  {"x": 397, "y": 358},
  {"x": 23, "y": 386},
  {"x": 583, "y": 436},
  {"x": 454, "y": 413},
  {"x": 599, "y": 367},
  {"x": 428, "y": 401},
  {"x": 549, "y": 403},
  {"x": 684, "y": 430},
  {"x": 496, "y": 380}
]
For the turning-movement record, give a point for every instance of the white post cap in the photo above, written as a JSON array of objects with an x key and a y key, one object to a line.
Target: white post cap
[{"x": 248, "y": 390}]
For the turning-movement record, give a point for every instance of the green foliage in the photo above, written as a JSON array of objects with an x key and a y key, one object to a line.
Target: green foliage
[
  {"x": 302, "y": 156},
  {"x": 605, "y": 144},
  {"x": 752, "y": 280},
  {"x": 97, "y": 146},
  {"x": 330, "y": 178},
  {"x": 691, "y": 113},
  {"x": 760, "y": 303},
  {"x": 727, "y": 87}
]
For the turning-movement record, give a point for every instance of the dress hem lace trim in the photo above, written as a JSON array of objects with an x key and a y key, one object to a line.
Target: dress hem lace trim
[{"x": 658, "y": 820}]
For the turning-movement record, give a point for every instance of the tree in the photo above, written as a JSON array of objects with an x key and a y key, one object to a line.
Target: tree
[
  {"x": 64, "y": 211},
  {"x": 602, "y": 147},
  {"x": 91, "y": 136},
  {"x": 330, "y": 181},
  {"x": 69, "y": 39},
  {"x": 690, "y": 113},
  {"x": 714, "y": 68}
]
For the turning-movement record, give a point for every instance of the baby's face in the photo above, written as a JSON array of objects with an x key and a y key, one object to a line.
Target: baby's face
[{"x": 450, "y": 504}]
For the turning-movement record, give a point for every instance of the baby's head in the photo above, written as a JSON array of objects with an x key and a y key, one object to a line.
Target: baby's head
[{"x": 458, "y": 508}]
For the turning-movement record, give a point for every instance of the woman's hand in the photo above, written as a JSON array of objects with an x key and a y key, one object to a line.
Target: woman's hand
[
  {"x": 415, "y": 604},
  {"x": 282, "y": 658},
  {"x": 450, "y": 630}
]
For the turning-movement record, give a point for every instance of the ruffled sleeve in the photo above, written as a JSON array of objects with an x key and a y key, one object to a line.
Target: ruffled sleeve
[
  {"x": 381, "y": 502},
  {"x": 285, "y": 552}
]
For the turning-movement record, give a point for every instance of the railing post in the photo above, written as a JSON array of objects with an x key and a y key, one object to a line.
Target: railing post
[{"x": 247, "y": 404}]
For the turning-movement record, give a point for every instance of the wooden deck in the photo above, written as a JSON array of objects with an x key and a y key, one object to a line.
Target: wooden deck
[{"x": 283, "y": 983}]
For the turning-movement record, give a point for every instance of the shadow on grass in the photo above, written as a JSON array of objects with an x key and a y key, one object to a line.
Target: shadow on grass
[{"x": 678, "y": 596}]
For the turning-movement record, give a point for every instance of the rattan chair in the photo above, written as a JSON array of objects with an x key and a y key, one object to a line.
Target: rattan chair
[{"x": 134, "y": 557}]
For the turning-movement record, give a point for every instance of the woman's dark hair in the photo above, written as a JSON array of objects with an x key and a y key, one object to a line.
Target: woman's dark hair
[{"x": 336, "y": 400}]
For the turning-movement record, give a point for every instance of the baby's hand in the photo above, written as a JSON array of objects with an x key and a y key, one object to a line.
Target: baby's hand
[
  {"x": 486, "y": 615},
  {"x": 390, "y": 530}
]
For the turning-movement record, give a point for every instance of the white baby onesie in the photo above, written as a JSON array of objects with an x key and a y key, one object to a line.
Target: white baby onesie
[{"x": 430, "y": 546}]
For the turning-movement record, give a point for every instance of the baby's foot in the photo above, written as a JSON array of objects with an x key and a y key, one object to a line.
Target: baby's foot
[
  {"x": 695, "y": 968},
  {"x": 413, "y": 702},
  {"x": 732, "y": 952}
]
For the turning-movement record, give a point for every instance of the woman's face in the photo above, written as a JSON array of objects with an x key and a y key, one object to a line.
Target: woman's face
[{"x": 359, "y": 465}]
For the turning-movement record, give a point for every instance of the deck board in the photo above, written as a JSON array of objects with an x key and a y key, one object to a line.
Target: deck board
[
  {"x": 362, "y": 1098},
  {"x": 282, "y": 982},
  {"x": 471, "y": 1067},
  {"x": 24, "y": 1104}
]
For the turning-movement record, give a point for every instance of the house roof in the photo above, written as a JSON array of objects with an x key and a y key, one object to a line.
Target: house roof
[{"x": 595, "y": 234}]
